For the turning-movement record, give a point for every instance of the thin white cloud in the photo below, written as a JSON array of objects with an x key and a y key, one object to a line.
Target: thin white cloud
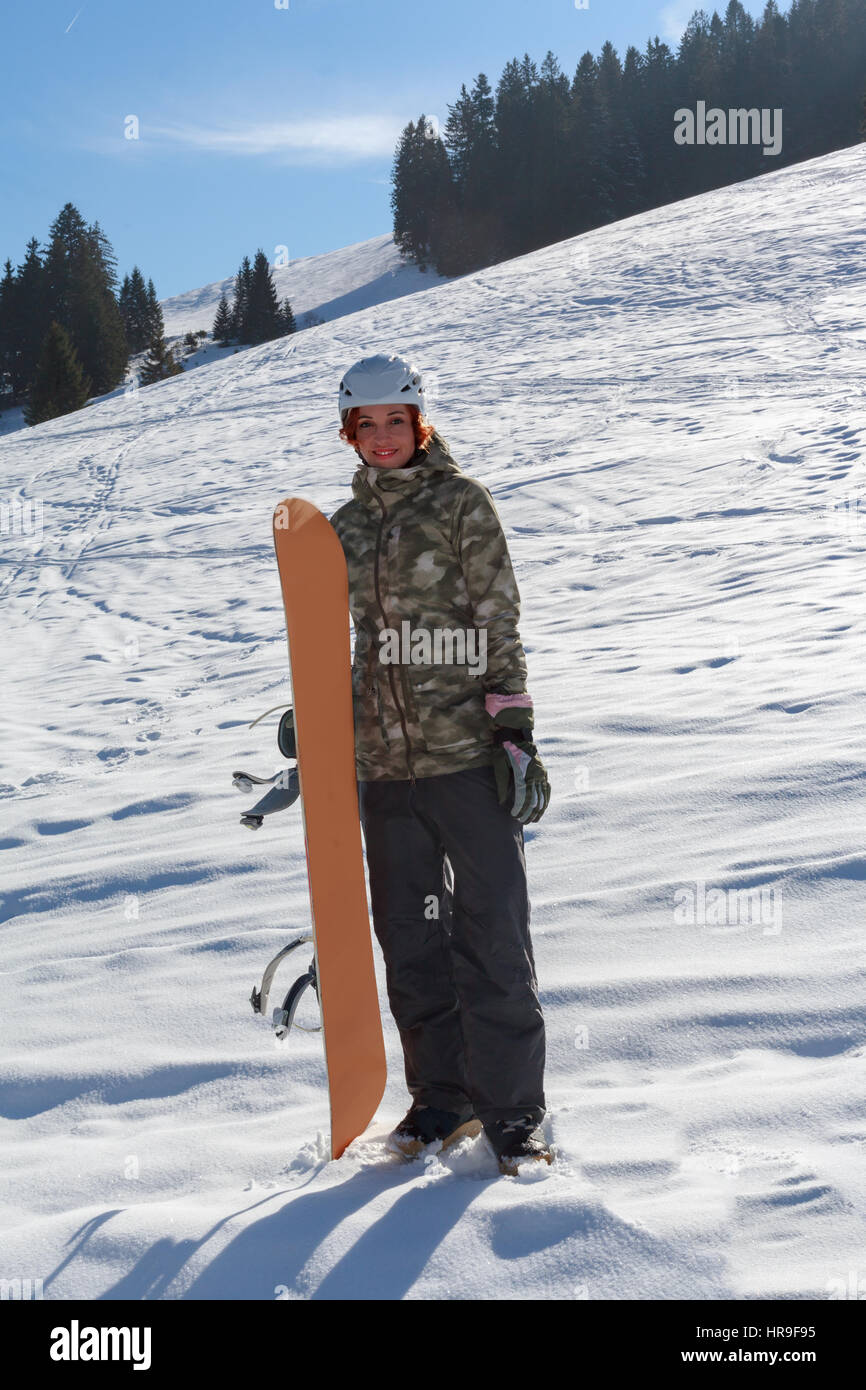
[
  {"x": 333, "y": 139},
  {"x": 72, "y": 21},
  {"x": 675, "y": 17}
]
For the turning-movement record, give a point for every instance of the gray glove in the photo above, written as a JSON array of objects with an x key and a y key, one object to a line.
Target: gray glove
[{"x": 516, "y": 762}]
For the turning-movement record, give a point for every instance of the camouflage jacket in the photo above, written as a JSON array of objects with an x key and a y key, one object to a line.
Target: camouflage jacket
[{"x": 427, "y": 557}]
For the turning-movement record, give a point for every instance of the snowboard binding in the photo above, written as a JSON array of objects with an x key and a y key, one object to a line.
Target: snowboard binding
[
  {"x": 283, "y": 790},
  {"x": 284, "y": 1018},
  {"x": 284, "y": 787}
]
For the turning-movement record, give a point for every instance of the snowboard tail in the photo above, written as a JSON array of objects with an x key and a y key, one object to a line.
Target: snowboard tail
[{"x": 315, "y": 591}]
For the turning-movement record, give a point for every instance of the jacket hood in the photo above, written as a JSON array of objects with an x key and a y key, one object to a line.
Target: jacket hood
[{"x": 436, "y": 458}]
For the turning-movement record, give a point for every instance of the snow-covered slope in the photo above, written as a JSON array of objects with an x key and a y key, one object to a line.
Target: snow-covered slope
[
  {"x": 669, "y": 413},
  {"x": 328, "y": 286},
  {"x": 325, "y": 287}
]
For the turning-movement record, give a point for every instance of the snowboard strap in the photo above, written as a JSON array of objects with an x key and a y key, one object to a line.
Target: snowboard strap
[
  {"x": 284, "y": 1018},
  {"x": 286, "y": 732},
  {"x": 272, "y": 709},
  {"x": 284, "y": 788}
]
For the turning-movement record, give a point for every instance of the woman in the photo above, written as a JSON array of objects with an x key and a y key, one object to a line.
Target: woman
[{"x": 448, "y": 773}]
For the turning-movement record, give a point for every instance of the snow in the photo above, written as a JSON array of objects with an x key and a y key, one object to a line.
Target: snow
[
  {"x": 668, "y": 412},
  {"x": 328, "y": 285}
]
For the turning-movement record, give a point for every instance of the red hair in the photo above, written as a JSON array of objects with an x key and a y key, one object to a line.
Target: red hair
[{"x": 423, "y": 431}]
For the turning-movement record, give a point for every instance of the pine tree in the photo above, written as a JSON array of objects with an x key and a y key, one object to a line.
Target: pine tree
[
  {"x": 423, "y": 199},
  {"x": 239, "y": 310},
  {"x": 67, "y": 239},
  {"x": 287, "y": 319},
  {"x": 153, "y": 317},
  {"x": 103, "y": 254},
  {"x": 80, "y": 280},
  {"x": 410, "y": 199},
  {"x": 26, "y": 320},
  {"x": 553, "y": 119},
  {"x": 8, "y": 349},
  {"x": 737, "y": 54},
  {"x": 593, "y": 178},
  {"x": 135, "y": 310},
  {"x": 772, "y": 69},
  {"x": 263, "y": 308},
  {"x": 153, "y": 367},
  {"x": 124, "y": 303},
  {"x": 222, "y": 326},
  {"x": 174, "y": 366},
  {"x": 59, "y": 385},
  {"x": 470, "y": 141},
  {"x": 623, "y": 155},
  {"x": 160, "y": 362},
  {"x": 459, "y": 136},
  {"x": 635, "y": 194},
  {"x": 481, "y": 187},
  {"x": 565, "y": 159},
  {"x": 659, "y": 97},
  {"x": 520, "y": 152},
  {"x": 444, "y": 245}
]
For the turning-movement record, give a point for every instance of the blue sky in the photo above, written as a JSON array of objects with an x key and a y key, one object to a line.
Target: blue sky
[{"x": 260, "y": 122}]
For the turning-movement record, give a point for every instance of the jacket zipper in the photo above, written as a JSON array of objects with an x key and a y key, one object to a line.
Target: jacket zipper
[{"x": 391, "y": 680}]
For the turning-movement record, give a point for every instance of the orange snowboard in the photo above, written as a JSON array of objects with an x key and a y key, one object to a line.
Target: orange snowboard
[{"x": 316, "y": 599}]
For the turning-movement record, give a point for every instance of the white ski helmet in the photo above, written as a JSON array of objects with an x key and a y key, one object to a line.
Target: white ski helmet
[{"x": 381, "y": 380}]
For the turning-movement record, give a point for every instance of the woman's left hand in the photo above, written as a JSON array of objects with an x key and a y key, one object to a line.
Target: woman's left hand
[{"x": 518, "y": 762}]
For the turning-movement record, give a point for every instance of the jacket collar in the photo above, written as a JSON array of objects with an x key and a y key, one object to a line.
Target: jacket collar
[{"x": 437, "y": 458}]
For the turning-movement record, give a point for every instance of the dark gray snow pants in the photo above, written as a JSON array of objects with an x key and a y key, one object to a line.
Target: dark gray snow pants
[{"x": 451, "y": 914}]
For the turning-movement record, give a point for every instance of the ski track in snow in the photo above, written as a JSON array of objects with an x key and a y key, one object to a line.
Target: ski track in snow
[{"x": 664, "y": 409}]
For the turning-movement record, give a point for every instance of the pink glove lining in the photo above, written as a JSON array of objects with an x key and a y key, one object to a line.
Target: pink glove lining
[{"x": 494, "y": 703}]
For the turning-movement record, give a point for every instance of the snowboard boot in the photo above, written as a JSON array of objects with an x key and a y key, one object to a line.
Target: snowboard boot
[
  {"x": 517, "y": 1141},
  {"x": 424, "y": 1124}
]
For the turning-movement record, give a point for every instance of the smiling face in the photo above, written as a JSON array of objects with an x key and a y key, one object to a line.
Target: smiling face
[{"x": 385, "y": 435}]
